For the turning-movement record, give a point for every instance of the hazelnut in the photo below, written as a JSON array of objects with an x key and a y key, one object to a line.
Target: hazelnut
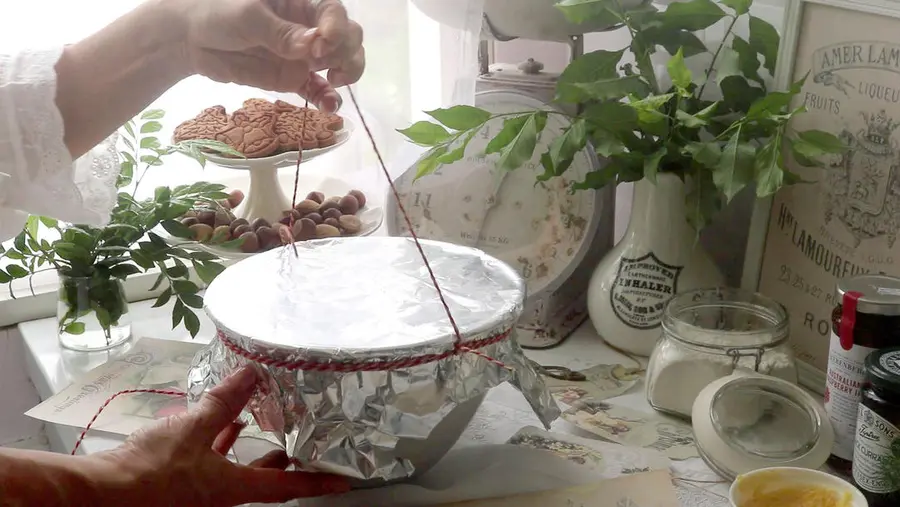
[
  {"x": 224, "y": 204},
  {"x": 235, "y": 198},
  {"x": 334, "y": 198},
  {"x": 259, "y": 222},
  {"x": 249, "y": 242},
  {"x": 332, "y": 213},
  {"x": 221, "y": 234},
  {"x": 288, "y": 217},
  {"x": 304, "y": 229},
  {"x": 223, "y": 217},
  {"x": 189, "y": 221},
  {"x": 332, "y": 222},
  {"x": 306, "y": 207},
  {"x": 360, "y": 197},
  {"x": 207, "y": 217},
  {"x": 239, "y": 231},
  {"x": 327, "y": 231},
  {"x": 201, "y": 232},
  {"x": 351, "y": 224},
  {"x": 268, "y": 237},
  {"x": 190, "y": 214},
  {"x": 349, "y": 205},
  {"x": 327, "y": 205},
  {"x": 317, "y": 197},
  {"x": 315, "y": 217},
  {"x": 237, "y": 222}
]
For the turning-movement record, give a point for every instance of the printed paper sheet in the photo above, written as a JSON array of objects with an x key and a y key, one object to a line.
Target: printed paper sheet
[{"x": 150, "y": 364}]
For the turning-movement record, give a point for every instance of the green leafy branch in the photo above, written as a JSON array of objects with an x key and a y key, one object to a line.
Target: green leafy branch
[
  {"x": 718, "y": 146},
  {"x": 91, "y": 260}
]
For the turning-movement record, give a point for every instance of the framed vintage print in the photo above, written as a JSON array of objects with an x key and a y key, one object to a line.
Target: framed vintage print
[{"x": 846, "y": 220}]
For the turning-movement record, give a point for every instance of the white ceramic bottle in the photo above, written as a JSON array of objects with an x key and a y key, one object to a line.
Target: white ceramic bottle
[{"x": 658, "y": 257}]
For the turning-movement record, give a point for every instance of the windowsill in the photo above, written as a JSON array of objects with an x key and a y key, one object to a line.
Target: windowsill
[{"x": 52, "y": 369}]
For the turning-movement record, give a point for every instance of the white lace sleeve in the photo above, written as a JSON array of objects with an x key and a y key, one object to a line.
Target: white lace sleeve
[{"x": 37, "y": 173}]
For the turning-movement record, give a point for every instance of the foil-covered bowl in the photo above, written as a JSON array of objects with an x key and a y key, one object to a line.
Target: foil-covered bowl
[{"x": 364, "y": 375}]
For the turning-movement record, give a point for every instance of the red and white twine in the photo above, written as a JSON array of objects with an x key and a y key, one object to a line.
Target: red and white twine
[{"x": 459, "y": 345}]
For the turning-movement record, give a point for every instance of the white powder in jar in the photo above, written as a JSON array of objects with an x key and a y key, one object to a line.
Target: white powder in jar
[{"x": 678, "y": 374}]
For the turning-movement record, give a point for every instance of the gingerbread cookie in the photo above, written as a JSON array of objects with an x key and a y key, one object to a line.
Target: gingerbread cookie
[
  {"x": 205, "y": 125},
  {"x": 326, "y": 138},
  {"x": 285, "y": 107},
  {"x": 292, "y": 127},
  {"x": 259, "y": 105},
  {"x": 333, "y": 122},
  {"x": 251, "y": 132}
]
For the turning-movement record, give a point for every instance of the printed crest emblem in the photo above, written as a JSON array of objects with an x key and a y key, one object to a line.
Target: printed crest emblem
[
  {"x": 641, "y": 289},
  {"x": 864, "y": 193}
]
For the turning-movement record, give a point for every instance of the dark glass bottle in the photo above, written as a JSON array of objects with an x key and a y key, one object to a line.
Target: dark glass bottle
[
  {"x": 877, "y": 445},
  {"x": 866, "y": 319}
]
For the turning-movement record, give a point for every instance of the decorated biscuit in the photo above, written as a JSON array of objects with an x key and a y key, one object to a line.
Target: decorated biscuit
[
  {"x": 285, "y": 107},
  {"x": 333, "y": 122},
  {"x": 205, "y": 125},
  {"x": 289, "y": 128},
  {"x": 325, "y": 138},
  {"x": 259, "y": 105},
  {"x": 251, "y": 132}
]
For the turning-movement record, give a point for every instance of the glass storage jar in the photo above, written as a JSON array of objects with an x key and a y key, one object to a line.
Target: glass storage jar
[{"x": 710, "y": 333}]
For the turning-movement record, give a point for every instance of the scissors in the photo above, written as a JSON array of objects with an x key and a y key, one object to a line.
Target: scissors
[{"x": 559, "y": 372}]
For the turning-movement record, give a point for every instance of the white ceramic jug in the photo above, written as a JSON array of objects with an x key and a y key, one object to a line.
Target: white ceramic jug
[{"x": 658, "y": 257}]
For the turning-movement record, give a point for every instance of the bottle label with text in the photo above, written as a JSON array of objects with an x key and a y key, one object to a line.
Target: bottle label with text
[
  {"x": 846, "y": 373},
  {"x": 874, "y": 437}
]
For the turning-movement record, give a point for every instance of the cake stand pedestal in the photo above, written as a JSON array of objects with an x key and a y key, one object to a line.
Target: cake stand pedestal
[{"x": 265, "y": 198}]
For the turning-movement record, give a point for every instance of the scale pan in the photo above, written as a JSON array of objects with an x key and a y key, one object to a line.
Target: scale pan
[{"x": 526, "y": 19}]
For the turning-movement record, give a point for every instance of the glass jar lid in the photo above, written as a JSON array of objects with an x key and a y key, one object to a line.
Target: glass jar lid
[
  {"x": 726, "y": 320},
  {"x": 880, "y": 293},
  {"x": 883, "y": 369},
  {"x": 747, "y": 421}
]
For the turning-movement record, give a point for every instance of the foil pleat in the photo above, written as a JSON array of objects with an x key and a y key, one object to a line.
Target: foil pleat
[{"x": 368, "y": 299}]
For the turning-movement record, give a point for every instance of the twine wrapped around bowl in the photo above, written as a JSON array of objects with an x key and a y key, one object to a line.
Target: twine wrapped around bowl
[{"x": 365, "y": 377}]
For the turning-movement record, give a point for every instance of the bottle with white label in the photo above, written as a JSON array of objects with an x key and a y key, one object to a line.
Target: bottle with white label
[
  {"x": 876, "y": 453},
  {"x": 866, "y": 319}
]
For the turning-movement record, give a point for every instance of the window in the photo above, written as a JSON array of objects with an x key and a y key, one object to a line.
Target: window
[{"x": 413, "y": 65}]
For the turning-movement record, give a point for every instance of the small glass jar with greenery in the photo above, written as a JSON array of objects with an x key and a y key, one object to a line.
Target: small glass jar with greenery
[{"x": 92, "y": 262}]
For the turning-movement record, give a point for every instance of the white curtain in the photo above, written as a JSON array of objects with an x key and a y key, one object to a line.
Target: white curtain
[{"x": 413, "y": 64}]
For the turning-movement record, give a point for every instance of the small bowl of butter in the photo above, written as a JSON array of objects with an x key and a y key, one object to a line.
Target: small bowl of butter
[{"x": 793, "y": 487}]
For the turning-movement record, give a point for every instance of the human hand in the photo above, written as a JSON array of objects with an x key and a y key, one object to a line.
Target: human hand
[
  {"x": 181, "y": 460},
  {"x": 277, "y": 45}
]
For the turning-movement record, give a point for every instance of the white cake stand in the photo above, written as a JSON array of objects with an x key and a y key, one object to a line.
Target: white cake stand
[{"x": 266, "y": 198}]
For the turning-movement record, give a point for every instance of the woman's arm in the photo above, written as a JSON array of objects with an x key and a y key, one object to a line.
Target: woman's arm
[
  {"x": 108, "y": 78},
  {"x": 178, "y": 461},
  {"x": 42, "y": 478}
]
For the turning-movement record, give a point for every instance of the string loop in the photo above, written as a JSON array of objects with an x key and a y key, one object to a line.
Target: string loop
[{"x": 459, "y": 347}]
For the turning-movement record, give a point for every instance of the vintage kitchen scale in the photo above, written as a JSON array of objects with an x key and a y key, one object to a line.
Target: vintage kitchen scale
[{"x": 554, "y": 238}]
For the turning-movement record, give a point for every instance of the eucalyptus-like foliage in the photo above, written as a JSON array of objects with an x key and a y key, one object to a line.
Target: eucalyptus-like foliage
[
  {"x": 127, "y": 245},
  {"x": 717, "y": 146}
]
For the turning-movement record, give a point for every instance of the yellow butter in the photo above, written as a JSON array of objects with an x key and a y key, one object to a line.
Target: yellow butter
[{"x": 764, "y": 490}]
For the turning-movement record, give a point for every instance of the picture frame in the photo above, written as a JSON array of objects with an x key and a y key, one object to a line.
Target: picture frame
[{"x": 841, "y": 223}]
